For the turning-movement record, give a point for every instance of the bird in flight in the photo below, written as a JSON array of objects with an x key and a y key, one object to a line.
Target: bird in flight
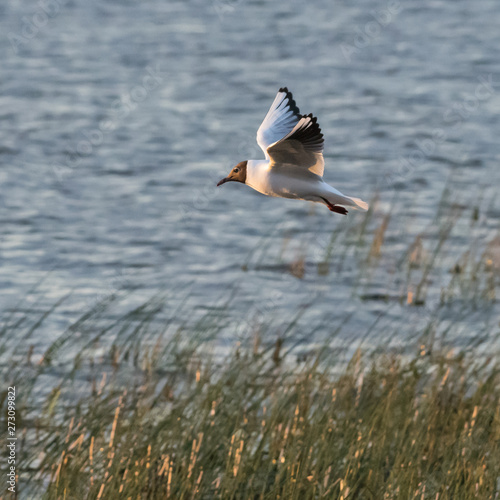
[{"x": 294, "y": 164}]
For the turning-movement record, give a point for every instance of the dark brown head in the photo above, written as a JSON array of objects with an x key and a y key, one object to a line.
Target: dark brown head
[{"x": 238, "y": 174}]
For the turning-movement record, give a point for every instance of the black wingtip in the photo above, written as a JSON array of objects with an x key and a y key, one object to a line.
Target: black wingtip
[
  {"x": 291, "y": 102},
  {"x": 310, "y": 134}
]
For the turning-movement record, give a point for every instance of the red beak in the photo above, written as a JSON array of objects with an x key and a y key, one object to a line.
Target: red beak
[{"x": 223, "y": 181}]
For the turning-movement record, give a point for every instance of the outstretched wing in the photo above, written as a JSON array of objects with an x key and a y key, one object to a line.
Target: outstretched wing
[
  {"x": 301, "y": 147},
  {"x": 280, "y": 120}
]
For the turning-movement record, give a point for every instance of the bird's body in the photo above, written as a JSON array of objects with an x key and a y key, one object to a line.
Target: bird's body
[
  {"x": 290, "y": 181},
  {"x": 293, "y": 168}
]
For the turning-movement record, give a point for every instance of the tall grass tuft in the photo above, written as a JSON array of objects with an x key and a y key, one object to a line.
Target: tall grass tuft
[{"x": 253, "y": 427}]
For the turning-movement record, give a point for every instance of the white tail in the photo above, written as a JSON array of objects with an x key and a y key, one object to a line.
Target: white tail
[
  {"x": 360, "y": 204},
  {"x": 337, "y": 198}
]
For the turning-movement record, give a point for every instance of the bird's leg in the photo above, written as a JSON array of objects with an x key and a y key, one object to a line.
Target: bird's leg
[
  {"x": 335, "y": 208},
  {"x": 338, "y": 209}
]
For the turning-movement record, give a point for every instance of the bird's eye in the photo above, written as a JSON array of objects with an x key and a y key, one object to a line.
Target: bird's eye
[{"x": 236, "y": 170}]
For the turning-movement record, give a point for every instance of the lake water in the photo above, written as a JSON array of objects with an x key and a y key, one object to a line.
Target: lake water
[{"x": 117, "y": 118}]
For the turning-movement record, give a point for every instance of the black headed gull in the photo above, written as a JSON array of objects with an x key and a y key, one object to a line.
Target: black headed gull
[{"x": 294, "y": 164}]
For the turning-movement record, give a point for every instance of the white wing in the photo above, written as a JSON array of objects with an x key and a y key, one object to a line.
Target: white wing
[
  {"x": 301, "y": 147},
  {"x": 280, "y": 120}
]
